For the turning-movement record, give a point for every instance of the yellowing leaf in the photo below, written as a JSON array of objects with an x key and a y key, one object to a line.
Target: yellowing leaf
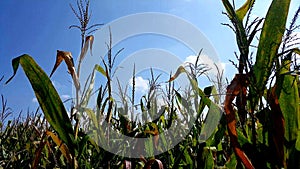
[
  {"x": 242, "y": 11},
  {"x": 100, "y": 69},
  {"x": 62, "y": 147}
]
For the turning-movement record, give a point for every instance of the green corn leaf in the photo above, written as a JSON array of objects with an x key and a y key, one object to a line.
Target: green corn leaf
[
  {"x": 242, "y": 11},
  {"x": 100, "y": 69},
  {"x": 89, "y": 90},
  {"x": 270, "y": 40},
  {"x": 241, "y": 36},
  {"x": 207, "y": 157},
  {"x": 91, "y": 114},
  {"x": 289, "y": 100},
  {"x": 47, "y": 97}
]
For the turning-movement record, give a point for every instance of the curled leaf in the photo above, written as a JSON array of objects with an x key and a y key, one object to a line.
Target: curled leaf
[
  {"x": 67, "y": 57},
  {"x": 180, "y": 70},
  {"x": 89, "y": 40}
]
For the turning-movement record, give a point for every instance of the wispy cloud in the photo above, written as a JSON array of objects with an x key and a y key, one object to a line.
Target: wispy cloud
[
  {"x": 65, "y": 96},
  {"x": 141, "y": 85}
]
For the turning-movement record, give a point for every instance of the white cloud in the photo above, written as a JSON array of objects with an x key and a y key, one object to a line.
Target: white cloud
[
  {"x": 191, "y": 59},
  {"x": 34, "y": 100},
  {"x": 204, "y": 59},
  {"x": 141, "y": 84}
]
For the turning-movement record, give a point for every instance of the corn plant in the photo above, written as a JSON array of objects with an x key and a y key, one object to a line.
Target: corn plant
[
  {"x": 257, "y": 117},
  {"x": 272, "y": 128}
]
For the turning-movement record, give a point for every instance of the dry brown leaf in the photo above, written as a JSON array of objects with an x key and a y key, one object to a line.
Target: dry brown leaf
[
  {"x": 67, "y": 57},
  {"x": 237, "y": 85},
  {"x": 180, "y": 70},
  {"x": 89, "y": 40}
]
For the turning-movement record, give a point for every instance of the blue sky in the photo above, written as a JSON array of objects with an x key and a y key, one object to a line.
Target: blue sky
[{"x": 39, "y": 28}]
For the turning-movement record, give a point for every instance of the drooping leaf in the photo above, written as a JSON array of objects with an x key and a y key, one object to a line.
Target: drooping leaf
[
  {"x": 47, "y": 96},
  {"x": 178, "y": 72},
  {"x": 87, "y": 43},
  {"x": 67, "y": 57},
  {"x": 233, "y": 89}
]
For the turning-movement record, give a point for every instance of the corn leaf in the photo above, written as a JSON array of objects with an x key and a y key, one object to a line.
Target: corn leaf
[
  {"x": 89, "y": 90},
  {"x": 241, "y": 36},
  {"x": 88, "y": 43},
  {"x": 270, "y": 39},
  {"x": 62, "y": 147},
  {"x": 47, "y": 96},
  {"x": 100, "y": 69},
  {"x": 242, "y": 11},
  {"x": 180, "y": 70},
  {"x": 289, "y": 101},
  {"x": 67, "y": 57},
  {"x": 92, "y": 116}
]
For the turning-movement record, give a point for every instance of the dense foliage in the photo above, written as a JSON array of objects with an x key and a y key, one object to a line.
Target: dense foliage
[{"x": 258, "y": 119}]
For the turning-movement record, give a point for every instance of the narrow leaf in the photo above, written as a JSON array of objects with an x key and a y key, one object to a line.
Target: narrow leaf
[
  {"x": 62, "y": 147},
  {"x": 289, "y": 101},
  {"x": 270, "y": 40},
  {"x": 47, "y": 96},
  {"x": 233, "y": 89},
  {"x": 100, "y": 69},
  {"x": 242, "y": 11}
]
